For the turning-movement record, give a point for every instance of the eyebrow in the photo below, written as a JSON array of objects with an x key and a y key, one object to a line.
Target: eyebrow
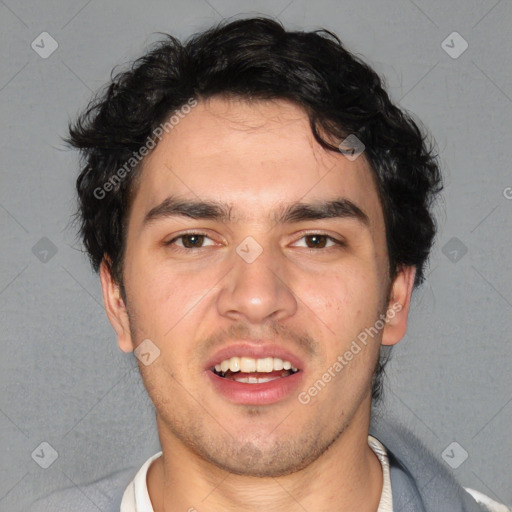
[{"x": 295, "y": 212}]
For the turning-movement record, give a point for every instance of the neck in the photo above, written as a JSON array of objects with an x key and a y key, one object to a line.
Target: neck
[{"x": 347, "y": 476}]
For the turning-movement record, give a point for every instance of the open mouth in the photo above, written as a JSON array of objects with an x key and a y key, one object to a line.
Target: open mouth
[
  {"x": 258, "y": 380},
  {"x": 248, "y": 370}
]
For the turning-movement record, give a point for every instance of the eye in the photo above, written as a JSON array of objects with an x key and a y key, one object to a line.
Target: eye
[
  {"x": 191, "y": 241},
  {"x": 318, "y": 241}
]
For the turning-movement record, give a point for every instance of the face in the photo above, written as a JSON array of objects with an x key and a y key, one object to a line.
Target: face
[{"x": 251, "y": 248}]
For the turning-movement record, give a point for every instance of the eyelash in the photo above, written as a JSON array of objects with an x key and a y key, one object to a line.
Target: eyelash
[{"x": 336, "y": 242}]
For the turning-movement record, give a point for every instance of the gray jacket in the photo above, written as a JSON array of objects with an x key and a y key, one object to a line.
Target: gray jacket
[{"x": 419, "y": 481}]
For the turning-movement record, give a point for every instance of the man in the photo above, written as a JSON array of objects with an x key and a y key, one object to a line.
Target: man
[{"x": 260, "y": 213}]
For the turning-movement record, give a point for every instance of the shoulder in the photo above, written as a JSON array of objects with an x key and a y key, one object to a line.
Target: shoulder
[{"x": 418, "y": 477}]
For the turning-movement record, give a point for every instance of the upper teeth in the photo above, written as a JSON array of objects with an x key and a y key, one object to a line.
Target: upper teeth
[{"x": 249, "y": 365}]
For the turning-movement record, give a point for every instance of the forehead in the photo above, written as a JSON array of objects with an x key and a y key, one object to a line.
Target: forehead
[{"x": 256, "y": 156}]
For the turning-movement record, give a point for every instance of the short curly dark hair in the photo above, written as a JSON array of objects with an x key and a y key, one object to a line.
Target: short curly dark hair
[{"x": 256, "y": 58}]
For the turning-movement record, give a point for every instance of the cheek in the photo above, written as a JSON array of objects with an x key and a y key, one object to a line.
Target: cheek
[
  {"x": 346, "y": 297},
  {"x": 346, "y": 305},
  {"x": 162, "y": 298}
]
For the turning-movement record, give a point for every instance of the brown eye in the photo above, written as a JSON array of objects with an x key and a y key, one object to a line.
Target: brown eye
[
  {"x": 316, "y": 241},
  {"x": 191, "y": 241}
]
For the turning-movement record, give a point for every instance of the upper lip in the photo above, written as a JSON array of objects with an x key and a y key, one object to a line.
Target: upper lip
[{"x": 257, "y": 350}]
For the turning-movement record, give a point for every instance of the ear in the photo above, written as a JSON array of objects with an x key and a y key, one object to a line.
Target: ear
[
  {"x": 115, "y": 308},
  {"x": 398, "y": 306}
]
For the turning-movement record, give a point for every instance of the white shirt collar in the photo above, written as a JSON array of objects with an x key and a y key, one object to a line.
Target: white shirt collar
[
  {"x": 136, "y": 496},
  {"x": 386, "y": 498}
]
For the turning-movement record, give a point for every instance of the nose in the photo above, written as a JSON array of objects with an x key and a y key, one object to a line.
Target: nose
[{"x": 258, "y": 291}]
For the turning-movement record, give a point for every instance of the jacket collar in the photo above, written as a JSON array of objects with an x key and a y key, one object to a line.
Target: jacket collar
[{"x": 419, "y": 481}]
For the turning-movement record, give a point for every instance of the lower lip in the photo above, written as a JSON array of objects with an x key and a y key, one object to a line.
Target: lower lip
[{"x": 264, "y": 393}]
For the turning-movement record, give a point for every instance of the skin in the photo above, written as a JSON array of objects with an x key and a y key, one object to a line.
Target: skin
[{"x": 257, "y": 157}]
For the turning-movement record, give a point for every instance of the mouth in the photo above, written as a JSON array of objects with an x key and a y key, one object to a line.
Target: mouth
[
  {"x": 249, "y": 370},
  {"x": 255, "y": 378}
]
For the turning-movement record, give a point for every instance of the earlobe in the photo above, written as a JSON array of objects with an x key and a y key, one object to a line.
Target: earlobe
[
  {"x": 115, "y": 308},
  {"x": 398, "y": 305}
]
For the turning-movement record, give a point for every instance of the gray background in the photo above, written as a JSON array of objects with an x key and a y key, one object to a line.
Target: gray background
[{"x": 62, "y": 378}]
